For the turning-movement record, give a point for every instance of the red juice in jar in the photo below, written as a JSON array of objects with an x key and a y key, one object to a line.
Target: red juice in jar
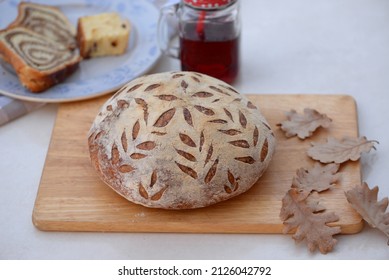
[
  {"x": 218, "y": 59},
  {"x": 209, "y": 44}
]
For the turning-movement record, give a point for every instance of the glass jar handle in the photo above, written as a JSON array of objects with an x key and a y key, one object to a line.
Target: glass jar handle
[{"x": 164, "y": 33}]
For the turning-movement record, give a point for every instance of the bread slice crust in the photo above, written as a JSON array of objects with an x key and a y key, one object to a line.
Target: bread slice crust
[
  {"x": 30, "y": 76},
  {"x": 46, "y": 20}
]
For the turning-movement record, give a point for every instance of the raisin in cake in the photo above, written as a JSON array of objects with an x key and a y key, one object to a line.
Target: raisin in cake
[
  {"x": 38, "y": 61},
  {"x": 48, "y": 21},
  {"x": 102, "y": 35},
  {"x": 179, "y": 140}
]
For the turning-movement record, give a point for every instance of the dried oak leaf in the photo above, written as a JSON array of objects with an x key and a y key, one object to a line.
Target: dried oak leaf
[
  {"x": 319, "y": 178},
  {"x": 304, "y": 125},
  {"x": 307, "y": 217},
  {"x": 340, "y": 151},
  {"x": 364, "y": 201}
]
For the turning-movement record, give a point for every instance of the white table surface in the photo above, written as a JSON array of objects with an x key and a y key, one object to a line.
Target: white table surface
[{"x": 299, "y": 46}]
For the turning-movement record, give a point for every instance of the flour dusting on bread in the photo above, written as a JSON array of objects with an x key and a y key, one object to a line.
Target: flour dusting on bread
[{"x": 180, "y": 140}]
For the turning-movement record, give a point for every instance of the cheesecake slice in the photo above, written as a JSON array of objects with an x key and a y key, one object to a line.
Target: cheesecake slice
[{"x": 102, "y": 35}]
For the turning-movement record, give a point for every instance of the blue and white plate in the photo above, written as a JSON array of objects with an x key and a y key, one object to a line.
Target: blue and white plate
[{"x": 96, "y": 76}]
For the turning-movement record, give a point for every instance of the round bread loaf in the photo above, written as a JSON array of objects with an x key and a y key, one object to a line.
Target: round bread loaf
[{"x": 179, "y": 140}]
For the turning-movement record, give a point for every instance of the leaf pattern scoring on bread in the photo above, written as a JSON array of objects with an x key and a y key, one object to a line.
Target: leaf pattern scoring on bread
[{"x": 181, "y": 142}]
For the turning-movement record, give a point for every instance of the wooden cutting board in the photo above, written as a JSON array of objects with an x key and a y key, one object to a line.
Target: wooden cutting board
[{"x": 72, "y": 198}]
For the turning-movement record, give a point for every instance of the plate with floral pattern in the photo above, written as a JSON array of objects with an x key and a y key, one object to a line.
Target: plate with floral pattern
[{"x": 95, "y": 76}]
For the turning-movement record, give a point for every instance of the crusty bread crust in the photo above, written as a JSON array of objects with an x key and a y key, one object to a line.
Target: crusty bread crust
[{"x": 179, "y": 140}]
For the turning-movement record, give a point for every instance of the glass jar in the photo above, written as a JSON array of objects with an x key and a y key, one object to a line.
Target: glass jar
[{"x": 209, "y": 36}]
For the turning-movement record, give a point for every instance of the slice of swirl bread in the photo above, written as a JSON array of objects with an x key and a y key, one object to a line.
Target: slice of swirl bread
[
  {"x": 48, "y": 21},
  {"x": 180, "y": 140},
  {"x": 38, "y": 61}
]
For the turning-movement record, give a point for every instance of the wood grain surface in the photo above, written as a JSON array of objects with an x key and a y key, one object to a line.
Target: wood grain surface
[{"x": 71, "y": 197}]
